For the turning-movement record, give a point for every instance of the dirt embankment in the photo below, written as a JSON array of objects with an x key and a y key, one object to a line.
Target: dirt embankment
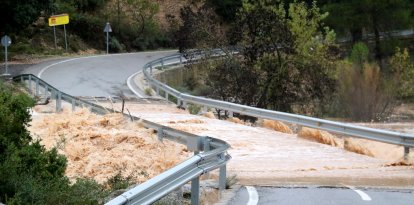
[{"x": 98, "y": 147}]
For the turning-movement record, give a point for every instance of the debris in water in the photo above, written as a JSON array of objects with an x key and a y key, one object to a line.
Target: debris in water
[
  {"x": 236, "y": 120},
  {"x": 318, "y": 136},
  {"x": 275, "y": 125},
  {"x": 352, "y": 146},
  {"x": 209, "y": 115},
  {"x": 400, "y": 163},
  {"x": 96, "y": 146},
  {"x": 195, "y": 121}
]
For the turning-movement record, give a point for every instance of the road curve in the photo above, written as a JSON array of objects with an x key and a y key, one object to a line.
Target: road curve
[{"x": 99, "y": 76}]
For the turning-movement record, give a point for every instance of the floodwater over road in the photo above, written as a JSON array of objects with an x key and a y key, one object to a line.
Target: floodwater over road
[{"x": 262, "y": 156}]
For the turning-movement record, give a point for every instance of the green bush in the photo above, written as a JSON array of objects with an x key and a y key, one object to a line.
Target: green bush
[
  {"x": 359, "y": 54},
  {"x": 148, "y": 91},
  {"x": 364, "y": 95},
  {"x": 403, "y": 70},
  {"x": 115, "y": 45},
  {"x": 89, "y": 28},
  {"x": 194, "y": 109}
]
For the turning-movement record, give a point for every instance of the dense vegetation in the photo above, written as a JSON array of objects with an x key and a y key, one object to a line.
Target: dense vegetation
[
  {"x": 290, "y": 59},
  {"x": 133, "y": 22},
  {"x": 296, "y": 56}
]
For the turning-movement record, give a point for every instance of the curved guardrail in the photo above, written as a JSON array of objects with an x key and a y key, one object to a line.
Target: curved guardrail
[
  {"x": 210, "y": 153},
  {"x": 406, "y": 140}
]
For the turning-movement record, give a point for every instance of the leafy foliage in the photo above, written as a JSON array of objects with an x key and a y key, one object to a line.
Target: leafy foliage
[
  {"x": 369, "y": 16},
  {"x": 403, "y": 69},
  {"x": 226, "y": 9},
  {"x": 285, "y": 58},
  {"x": 14, "y": 117},
  {"x": 200, "y": 28},
  {"x": 359, "y": 54},
  {"x": 364, "y": 95},
  {"x": 18, "y": 14}
]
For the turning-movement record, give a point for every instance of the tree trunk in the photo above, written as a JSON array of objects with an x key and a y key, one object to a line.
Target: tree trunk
[
  {"x": 119, "y": 18},
  {"x": 378, "y": 53},
  {"x": 356, "y": 35}
]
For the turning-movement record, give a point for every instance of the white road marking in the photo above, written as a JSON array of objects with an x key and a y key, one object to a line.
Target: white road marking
[
  {"x": 253, "y": 195},
  {"x": 39, "y": 75},
  {"x": 129, "y": 83},
  {"x": 362, "y": 194}
]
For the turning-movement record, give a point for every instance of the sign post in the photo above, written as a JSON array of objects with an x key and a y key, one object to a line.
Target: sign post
[
  {"x": 57, "y": 20},
  {"x": 66, "y": 41},
  {"x": 54, "y": 34},
  {"x": 107, "y": 29},
  {"x": 6, "y": 41}
]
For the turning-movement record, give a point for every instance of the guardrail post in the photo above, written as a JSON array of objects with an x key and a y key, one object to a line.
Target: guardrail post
[
  {"x": 73, "y": 105},
  {"x": 21, "y": 79},
  {"x": 30, "y": 84},
  {"x": 158, "y": 90},
  {"x": 166, "y": 96},
  {"x": 406, "y": 152},
  {"x": 162, "y": 63},
  {"x": 195, "y": 189},
  {"x": 151, "y": 69},
  {"x": 206, "y": 144},
  {"x": 230, "y": 113},
  {"x": 178, "y": 101},
  {"x": 207, "y": 147},
  {"x": 222, "y": 178},
  {"x": 37, "y": 87},
  {"x": 181, "y": 58},
  {"x": 58, "y": 101},
  {"x": 52, "y": 94},
  {"x": 46, "y": 91},
  {"x": 184, "y": 104}
]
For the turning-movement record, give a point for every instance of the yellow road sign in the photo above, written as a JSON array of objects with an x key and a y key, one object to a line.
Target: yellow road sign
[{"x": 57, "y": 20}]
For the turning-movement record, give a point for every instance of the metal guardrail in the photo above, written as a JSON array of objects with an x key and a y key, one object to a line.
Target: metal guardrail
[
  {"x": 210, "y": 153},
  {"x": 183, "y": 99}
]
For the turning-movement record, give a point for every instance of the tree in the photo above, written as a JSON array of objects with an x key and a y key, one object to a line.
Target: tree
[
  {"x": 369, "y": 16},
  {"x": 18, "y": 14},
  {"x": 88, "y": 5},
  {"x": 200, "y": 28},
  {"x": 14, "y": 118},
  {"x": 403, "y": 70},
  {"x": 22, "y": 160},
  {"x": 226, "y": 9},
  {"x": 142, "y": 12},
  {"x": 284, "y": 58}
]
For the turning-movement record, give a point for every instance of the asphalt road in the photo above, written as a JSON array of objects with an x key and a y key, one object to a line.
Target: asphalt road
[
  {"x": 322, "y": 196},
  {"x": 99, "y": 76}
]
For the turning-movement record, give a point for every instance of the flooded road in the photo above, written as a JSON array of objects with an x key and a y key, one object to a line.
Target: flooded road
[{"x": 262, "y": 156}]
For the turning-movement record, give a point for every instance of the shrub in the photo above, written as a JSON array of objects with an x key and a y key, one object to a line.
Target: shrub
[
  {"x": 115, "y": 45},
  {"x": 403, "y": 70},
  {"x": 148, "y": 91},
  {"x": 194, "y": 109},
  {"x": 359, "y": 54},
  {"x": 364, "y": 95}
]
